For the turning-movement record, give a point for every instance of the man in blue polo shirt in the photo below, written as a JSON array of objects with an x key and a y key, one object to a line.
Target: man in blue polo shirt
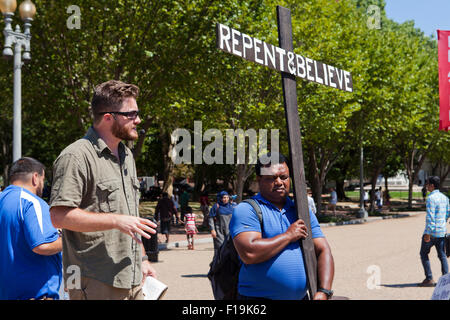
[
  {"x": 30, "y": 258},
  {"x": 273, "y": 266}
]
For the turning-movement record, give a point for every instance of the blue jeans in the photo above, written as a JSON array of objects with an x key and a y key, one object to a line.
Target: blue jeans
[{"x": 425, "y": 248}]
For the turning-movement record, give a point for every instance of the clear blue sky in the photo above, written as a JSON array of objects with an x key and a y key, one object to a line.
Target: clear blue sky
[{"x": 428, "y": 15}]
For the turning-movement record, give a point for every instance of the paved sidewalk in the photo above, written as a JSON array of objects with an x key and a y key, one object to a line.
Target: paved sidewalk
[
  {"x": 375, "y": 260},
  {"x": 177, "y": 240},
  {"x": 177, "y": 237}
]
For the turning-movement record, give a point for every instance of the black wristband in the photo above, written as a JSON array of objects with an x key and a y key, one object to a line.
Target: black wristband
[{"x": 329, "y": 293}]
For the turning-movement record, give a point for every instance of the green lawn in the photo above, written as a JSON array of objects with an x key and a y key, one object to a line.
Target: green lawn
[{"x": 394, "y": 194}]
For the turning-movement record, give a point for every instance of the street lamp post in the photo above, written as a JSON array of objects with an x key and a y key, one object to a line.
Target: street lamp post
[
  {"x": 15, "y": 39},
  {"x": 362, "y": 213}
]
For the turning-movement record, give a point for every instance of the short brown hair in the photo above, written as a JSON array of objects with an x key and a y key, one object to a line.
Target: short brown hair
[{"x": 109, "y": 96}]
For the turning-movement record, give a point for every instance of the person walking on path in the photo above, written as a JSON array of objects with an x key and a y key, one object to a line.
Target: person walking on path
[
  {"x": 438, "y": 212},
  {"x": 379, "y": 198},
  {"x": 366, "y": 198},
  {"x": 204, "y": 207},
  {"x": 424, "y": 192},
  {"x": 387, "y": 198},
  {"x": 165, "y": 209},
  {"x": 311, "y": 203},
  {"x": 176, "y": 200},
  {"x": 30, "y": 247},
  {"x": 184, "y": 203},
  {"x": 219, "y": 219},
  {"x": 273, "y": 266},
  {"x": 95, "y": 200},
  {"x": 333, "y": 200},
  {"x": 190, "y": 227}
]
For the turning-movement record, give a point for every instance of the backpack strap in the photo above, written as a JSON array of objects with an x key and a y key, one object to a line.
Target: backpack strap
[{"x": 257, "y": 208}]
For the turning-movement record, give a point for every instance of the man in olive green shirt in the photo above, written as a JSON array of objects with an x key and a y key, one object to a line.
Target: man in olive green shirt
[{"x": 95, "y": 201}]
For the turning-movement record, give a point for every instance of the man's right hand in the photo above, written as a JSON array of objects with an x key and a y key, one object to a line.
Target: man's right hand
[
  {"x": 134, "y": 225},
  {"x": 79, "y": 220},
  {"x": 297, "y": 230},
  {"x": 213, "y": 234}
]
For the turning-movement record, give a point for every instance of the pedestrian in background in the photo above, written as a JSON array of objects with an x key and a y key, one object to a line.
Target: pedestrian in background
[
  {"x": 387, "y": 198},
  {"x": 379, "y": 198},
  {"x": 176, "y": 200},
  {"x": 165, "y": 209},
  {"x": 311, "y": 203},
  {"x": 438, "y": 211},
  {"x": 219, "y": 219},
  {"x": 333, "y": 200},
  {"x": 184, "y": 202},
  {"x": 190, "y": 227},
  {"x": 204, "y": 207},
  {"x": 424, "y": 192},
  {"x": 366, "y": 198}
]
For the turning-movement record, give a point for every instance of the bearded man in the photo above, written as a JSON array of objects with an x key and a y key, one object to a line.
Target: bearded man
[{"x": 95, "y": 201}]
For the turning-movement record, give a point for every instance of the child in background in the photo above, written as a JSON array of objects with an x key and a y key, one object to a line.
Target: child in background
[{"x": 190, "y": 227}]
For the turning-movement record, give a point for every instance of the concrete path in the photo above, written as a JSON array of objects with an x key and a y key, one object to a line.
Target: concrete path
[{"x": 377, "y": 260}]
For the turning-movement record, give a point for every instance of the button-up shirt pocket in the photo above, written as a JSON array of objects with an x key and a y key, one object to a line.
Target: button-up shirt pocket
[{"x": 108, "y": 195}]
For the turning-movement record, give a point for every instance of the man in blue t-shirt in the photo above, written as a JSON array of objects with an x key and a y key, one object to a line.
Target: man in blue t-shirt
[
  {"x": 30, "y": 247},
  {"x": 273, "y": 266}
]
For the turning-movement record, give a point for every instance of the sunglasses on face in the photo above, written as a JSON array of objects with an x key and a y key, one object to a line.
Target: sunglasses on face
[{"x": 131, "y": 115}]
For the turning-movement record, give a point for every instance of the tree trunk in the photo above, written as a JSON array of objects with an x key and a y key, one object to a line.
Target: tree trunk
[
  {"x": 373, "y": 182},
  {"x": 413, "y": 171},
  {"x": 316, "y": 188},
  {"x": 315, "y": 179},
  {"x": 243, "y": 171},
  {"x": 410, "y": 190},
  {"x": 167, "y": 148},
  {"x": 443, "y": 172},
  {"x": 199, "y": 180},
  {"x": 137, "y": 149},
  {"x": 386, "y": 193},
  {"x": 5, "y": 163},
  {"x": 443, "y": 176},
  {"x": 318, "y": 170},
  {"x": 340, "y": 190}
]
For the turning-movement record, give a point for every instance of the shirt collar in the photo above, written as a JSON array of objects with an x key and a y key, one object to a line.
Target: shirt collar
[
  {"x": 100, "y": 145},
  {"x": 287, "y": 205}
]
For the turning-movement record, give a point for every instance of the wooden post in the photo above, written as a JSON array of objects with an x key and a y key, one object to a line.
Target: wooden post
[
  {"x": 284, "y": 60},
  {"x": 295, "y": 149}
]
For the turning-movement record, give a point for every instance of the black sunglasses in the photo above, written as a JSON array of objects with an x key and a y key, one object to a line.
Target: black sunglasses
[{"x": 131, "y": 115}]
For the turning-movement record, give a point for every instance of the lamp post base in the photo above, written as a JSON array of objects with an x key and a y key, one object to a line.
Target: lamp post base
[{"x": 362, "y": 214}]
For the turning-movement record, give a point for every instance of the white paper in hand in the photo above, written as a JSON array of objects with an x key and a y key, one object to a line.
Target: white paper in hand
[{"x": 153, "y": 289}]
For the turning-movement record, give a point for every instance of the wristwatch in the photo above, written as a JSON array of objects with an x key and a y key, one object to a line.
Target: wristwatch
[
  {"x": 329, "y": 293},
  {"x": 145, "y": 258}
]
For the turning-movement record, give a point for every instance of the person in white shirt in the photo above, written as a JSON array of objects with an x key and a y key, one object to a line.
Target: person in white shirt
[{"x": 311, "y": 204}]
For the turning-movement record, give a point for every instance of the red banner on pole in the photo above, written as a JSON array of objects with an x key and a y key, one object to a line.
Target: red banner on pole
[{"x": 444, "y": 79}]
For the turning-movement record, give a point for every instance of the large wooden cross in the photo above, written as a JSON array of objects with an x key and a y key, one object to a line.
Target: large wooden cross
[{"x": 291, "y": 65}]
